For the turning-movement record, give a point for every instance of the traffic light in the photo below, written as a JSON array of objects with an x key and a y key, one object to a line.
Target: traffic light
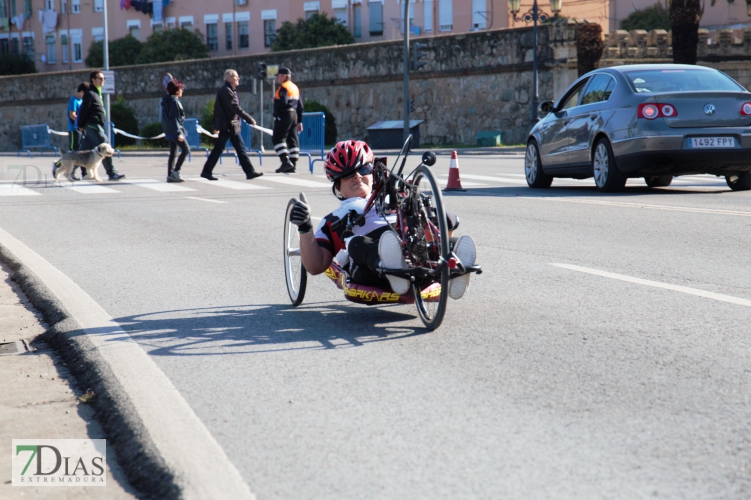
[
  {"x": 261, "y": 70},
  {"x": 418, "y": 53},
  {"x": 411, "y": 105}
]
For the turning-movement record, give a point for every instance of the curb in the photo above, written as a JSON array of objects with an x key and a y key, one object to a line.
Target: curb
[{"x": 136, "y": 453}]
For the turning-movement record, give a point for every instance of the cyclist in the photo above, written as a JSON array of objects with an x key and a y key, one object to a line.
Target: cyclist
[{"x": 349, "y": 165}]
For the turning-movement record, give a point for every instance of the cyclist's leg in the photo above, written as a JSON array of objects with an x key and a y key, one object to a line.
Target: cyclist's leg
[{"x": 364, "y": 261}]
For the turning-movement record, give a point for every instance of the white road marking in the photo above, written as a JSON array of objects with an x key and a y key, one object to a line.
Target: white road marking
[
  {"x": 182, "y": 440},
  {"x": 639, "y": 205},
  {"x": 226, "y": 183},
  {"x": 86, "y": 187},
  {"x": 657, "y": 284},
  {"x": 16, "y": 190},
  {"x": 153, "y": 184},
  {"x": 204, "y": 199},
  {"x": 494, "y": 179},
  {"x": 294, "y": 181}
]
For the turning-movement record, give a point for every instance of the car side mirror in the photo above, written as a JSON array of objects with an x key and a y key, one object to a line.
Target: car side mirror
[{"x": 546, "y": 107}]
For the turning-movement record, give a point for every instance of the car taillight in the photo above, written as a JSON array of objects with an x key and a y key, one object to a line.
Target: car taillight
[
  {"x": 746, "y": 109},
  {"x": 652, "y": 111},
  {"x": 667, "y": 110}
]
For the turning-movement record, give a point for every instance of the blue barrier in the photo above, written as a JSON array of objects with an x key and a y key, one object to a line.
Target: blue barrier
[
  {"x": 312, "y": 137},
  {"x": 35, "y": 136},
  {"x": 194, "y": 137},
  {"x": 245, "y": 134}
]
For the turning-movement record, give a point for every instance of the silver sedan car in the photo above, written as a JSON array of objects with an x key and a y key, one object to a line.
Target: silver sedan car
[{"x": 654, "y": 121}]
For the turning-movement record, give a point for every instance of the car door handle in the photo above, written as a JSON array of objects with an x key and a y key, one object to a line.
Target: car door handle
[{"x": 594, "y": 116}]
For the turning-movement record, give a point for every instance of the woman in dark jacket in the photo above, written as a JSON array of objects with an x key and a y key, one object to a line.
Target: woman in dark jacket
[{"x": 173, "y": 125}]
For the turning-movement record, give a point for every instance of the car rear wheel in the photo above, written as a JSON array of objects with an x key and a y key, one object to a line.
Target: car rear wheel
[
  {"x": 659, "y": 181},
  {"x": 739, "y": 182},
  {"x": 536, "y": 178},
  {"x": 607, "y": 176}
]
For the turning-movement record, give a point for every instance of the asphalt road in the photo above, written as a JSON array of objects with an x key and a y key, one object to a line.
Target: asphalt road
[{"x": 624, "y": 374}]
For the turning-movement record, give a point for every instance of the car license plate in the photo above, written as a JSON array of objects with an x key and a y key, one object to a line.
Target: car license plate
[{"x": 711, "y": 142}]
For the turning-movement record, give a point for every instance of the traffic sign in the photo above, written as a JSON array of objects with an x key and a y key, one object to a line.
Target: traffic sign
[
  {"x": 165, "y": 80},
  {"x": 108, "y": 87}
]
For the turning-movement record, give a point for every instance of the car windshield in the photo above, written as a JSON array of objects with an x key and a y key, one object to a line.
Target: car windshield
[{"x": 680, "y": 80}]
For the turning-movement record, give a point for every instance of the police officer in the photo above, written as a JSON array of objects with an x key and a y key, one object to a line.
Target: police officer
[{"x": 288, "y": 111}]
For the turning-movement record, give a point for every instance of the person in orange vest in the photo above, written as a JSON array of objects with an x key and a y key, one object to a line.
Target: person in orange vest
[{"x": 288, "y": 109}]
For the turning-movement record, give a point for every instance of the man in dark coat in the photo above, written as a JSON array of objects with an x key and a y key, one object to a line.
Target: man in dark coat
[
  {"x": 91, "y": 116},
  {"x": 227, "y": 115}
]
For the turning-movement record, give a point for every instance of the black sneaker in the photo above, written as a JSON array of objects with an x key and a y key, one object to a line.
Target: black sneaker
[
  {"x": 209, "y": 177},
  {"x": 74, "y": 178},
  {"x": 253, "y": 175},
  {"x": 116, "y": 177},
  {"x": 54, "y": 167}
]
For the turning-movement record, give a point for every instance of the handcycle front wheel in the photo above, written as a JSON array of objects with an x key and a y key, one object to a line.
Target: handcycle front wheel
[
  {"x": 294, "y": 271},
  {"x": 426, "y": 203}
]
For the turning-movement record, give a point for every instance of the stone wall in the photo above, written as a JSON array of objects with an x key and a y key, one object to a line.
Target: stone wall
[{"x": 471, "y": 82}]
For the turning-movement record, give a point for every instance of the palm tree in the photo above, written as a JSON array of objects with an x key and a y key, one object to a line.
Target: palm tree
[{"x": 684, "y": 22}]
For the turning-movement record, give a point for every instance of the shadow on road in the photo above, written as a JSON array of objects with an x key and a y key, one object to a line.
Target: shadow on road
[{"x": 266, "y": 328}]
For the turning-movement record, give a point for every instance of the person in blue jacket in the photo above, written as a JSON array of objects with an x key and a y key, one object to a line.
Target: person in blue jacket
[{"x": 173, "y": 125}]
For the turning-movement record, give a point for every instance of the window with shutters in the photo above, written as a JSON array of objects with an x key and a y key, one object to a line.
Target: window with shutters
[{"x": 375, "y": 11}]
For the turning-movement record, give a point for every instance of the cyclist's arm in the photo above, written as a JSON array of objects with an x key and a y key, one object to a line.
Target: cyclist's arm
[{"x": 315, "y": 258}]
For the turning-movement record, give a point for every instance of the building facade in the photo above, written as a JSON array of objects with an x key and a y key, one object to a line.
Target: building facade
[{"x": 57, "y": 34}]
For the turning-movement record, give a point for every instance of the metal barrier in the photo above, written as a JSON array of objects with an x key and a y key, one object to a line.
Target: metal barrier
[
  {"x": 193, "y": 137},
  {"x": 112, "y": 138},
  {"x": 35, "y": 136},
  {"x": 312, "y": 137}
]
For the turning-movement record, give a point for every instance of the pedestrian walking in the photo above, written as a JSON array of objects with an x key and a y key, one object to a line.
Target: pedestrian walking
[
  {"x": 75, "y": 135},
  {"x": 227, "y": 115},
  {"x": 91, "y": 116},
  {"x": 173, "y": 126},
  {"x": 288, "y": 109}
]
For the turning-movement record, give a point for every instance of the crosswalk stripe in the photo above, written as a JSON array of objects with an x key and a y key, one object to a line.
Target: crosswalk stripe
[
  {"x": 86, "y": 187},
  {"x": 162, "y": 187},
  {"x": 294, "y": 181},
  {"x": 226, "y": 183},
  {"x": 16, "y": 190}
]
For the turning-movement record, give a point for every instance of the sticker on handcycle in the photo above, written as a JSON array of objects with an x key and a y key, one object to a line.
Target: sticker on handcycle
[{"x": 421, "y": 226}]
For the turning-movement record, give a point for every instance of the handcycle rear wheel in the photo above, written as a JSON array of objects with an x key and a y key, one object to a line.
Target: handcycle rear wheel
[
  {"x": 425, "y": 199},
  {"x": 294, "y": 271}
]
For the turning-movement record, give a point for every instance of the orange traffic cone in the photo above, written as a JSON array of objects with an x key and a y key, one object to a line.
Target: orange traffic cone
[{"x": 455, "y": 183}]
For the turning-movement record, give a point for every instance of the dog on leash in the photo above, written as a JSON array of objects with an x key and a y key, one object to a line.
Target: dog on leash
[{"x": 89, "y": 160}]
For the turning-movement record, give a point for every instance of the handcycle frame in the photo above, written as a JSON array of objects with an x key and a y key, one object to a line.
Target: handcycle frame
[{"x": 422, "y": 228}]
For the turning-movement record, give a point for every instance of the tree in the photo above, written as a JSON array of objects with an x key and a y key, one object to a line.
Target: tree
[
  {"x": 655, "y": 17},
  {"x": 20, "y": 64},
  {"x": 317, "y": 31},
  {"x": 589, "y": 47},
  {"x": 125, "y": 119},
  {"x": 123, "y": 52},
  {"x": 173, "y": 45},
  {"x": 684, "y": 21}
]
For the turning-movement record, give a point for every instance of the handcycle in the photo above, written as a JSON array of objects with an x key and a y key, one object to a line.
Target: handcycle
[{"x": 421, "y": 225}]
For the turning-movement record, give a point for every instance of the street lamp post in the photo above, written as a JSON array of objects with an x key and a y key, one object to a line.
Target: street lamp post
[{"x": 533, "y": 15}]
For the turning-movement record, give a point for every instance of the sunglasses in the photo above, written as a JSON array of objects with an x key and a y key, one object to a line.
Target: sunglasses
[{"x": 366, "y": 169}]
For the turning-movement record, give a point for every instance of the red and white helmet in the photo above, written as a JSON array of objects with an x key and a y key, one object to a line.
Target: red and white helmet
[{"x": 346, "y": 157}]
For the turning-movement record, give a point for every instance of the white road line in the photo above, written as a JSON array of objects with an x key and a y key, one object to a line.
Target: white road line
[
  {"x": 294, "y": 181},
  {"x": 204, "y": 199},
  {"x": 86, "y": 187},
  {"x": 184, "y": 443},
  {"x": 657, "y": 284},
  {"x": 494, "y": 179},
  {"x": 155, "y": 185},
  {"x": 16, "y": 190},
  {"x": 229, "y": 184},
  {"x": 639, "y": 205}
]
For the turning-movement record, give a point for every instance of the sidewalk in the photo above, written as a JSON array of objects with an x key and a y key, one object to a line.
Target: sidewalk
[{"x": 40, "y": 400}]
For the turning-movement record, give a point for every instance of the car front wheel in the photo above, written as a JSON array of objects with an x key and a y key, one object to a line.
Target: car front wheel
[
  {"x": 536, "y": 178},
  {"x": 607, "y": 176},
  {"x": 739, "y": 182}
]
